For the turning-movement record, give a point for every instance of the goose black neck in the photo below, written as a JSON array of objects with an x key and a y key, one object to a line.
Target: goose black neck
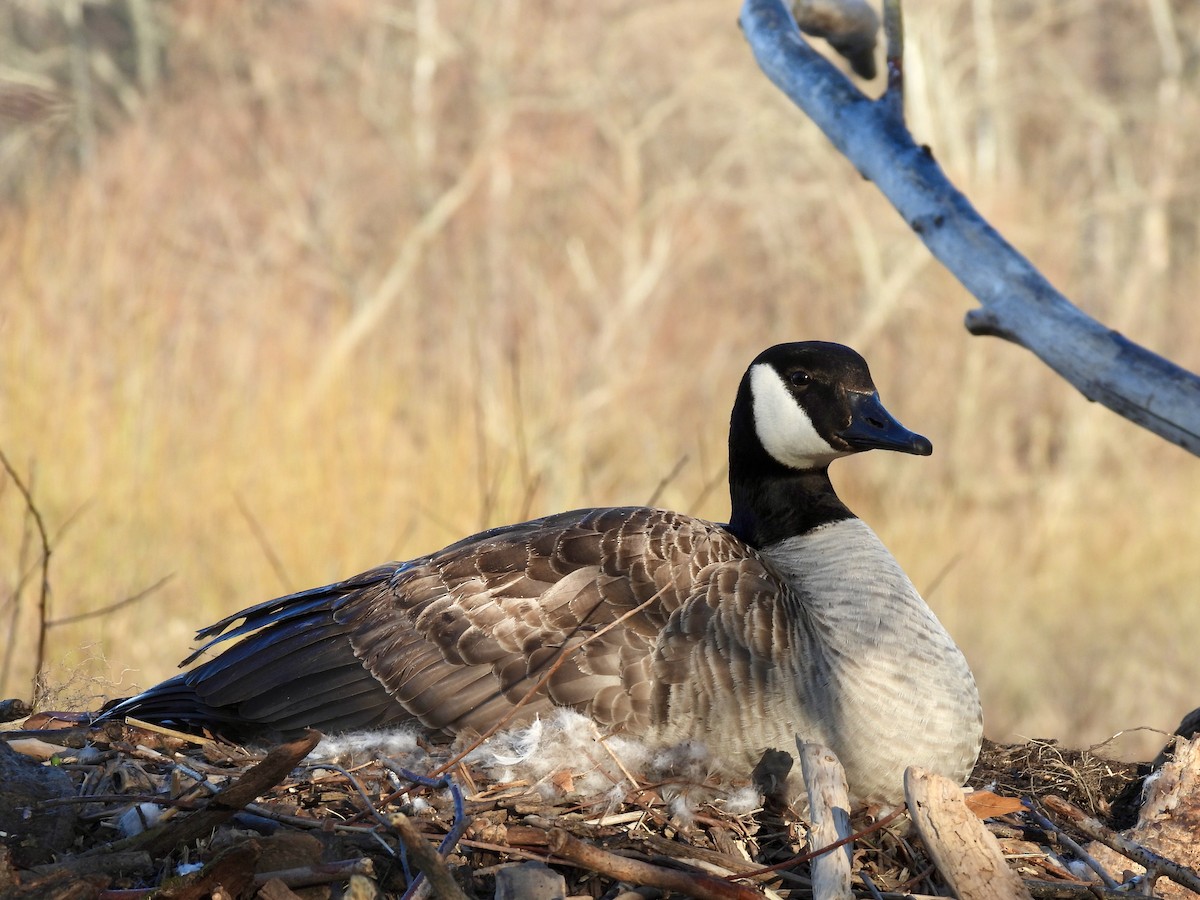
[
  {"x": 771, "y": 501},
  {"x": 769, "y": 508}
]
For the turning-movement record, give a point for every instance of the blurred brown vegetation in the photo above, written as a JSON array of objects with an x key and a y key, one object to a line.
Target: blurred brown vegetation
[{"x": 307, "y": 286}]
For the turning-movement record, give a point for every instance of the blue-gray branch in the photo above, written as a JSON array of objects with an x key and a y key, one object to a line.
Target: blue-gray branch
[{"x": 1018, "y": 303}]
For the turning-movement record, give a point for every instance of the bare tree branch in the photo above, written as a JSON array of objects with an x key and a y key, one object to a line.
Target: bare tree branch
[
  {"x": 44, "y": 593},
  {"x": 1018, "y": 303},
  {"x": 111, "y": 608}
]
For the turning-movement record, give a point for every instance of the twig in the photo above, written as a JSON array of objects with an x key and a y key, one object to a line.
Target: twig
[
  {"x": 112, "y": 864},
  {"x": 155, "y": 728},
  {"x": 667, "y": 479},
  {"x": 459, "y": 826},
  {"x": 738, "y": 867},
  {"x": 871, "y": 889},
  {"x": 813, "y": 854},
  {"x": 264, "y": 543},
  {"x": 893, "y": 30},
  {"x": 226, "y": 803},
  {"x": 1066, "y": 890},
  {"x": 320, "y": 873},
  {"x": 616, "y": 759},
  {"x": 357, "y": 785},
  {"x": 510, "y": 850},
  {"x": 1180, "y": 874},
  {"x": 39, "y": 659},
  {"x": 1069, "y": 843},
  {"x": 112, "y": 607},
  {"x": 460, "y": 823},
  {"x": 428, "y": 860},
  {"x": 692, "y": 884},
  {"x": 123, "y": 800}
]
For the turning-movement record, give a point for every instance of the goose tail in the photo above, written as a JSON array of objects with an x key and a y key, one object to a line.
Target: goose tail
[{"x": 292, "y": 667}]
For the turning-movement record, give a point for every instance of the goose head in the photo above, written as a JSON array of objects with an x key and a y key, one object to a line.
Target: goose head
[{"x": 799, "y": 407}]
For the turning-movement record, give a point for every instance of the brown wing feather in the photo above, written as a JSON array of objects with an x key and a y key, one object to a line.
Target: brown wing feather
[
  {"x": 732, "y": 640},
  {"x": 459, "y": 637}
]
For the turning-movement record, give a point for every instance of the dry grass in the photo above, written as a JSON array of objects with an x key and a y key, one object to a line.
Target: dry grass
[{"x": 363, "y": 277}]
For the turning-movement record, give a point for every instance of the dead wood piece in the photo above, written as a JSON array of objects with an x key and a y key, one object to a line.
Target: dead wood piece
[
  {"x": 227, "y": 802},
  {"x": 319, "y": 873},
  {"x": 829, "y": 813},
  {"x": 62, "y": 886},
  {"x": 11, "y": 710},
  {"x": 36, "y": 748},
  {"x": 738, "y": 866},
  {"x": 1065, "y": 840},
  {"x": 1159, "y": 833},
  {"x": 526, "y": 836},
  {"x": 1078, "y": 890},
  {"x": 153, "y": 727},
  {"x": 965, "y": 852},
  {"x": 76, "y": 737},
  {"x": 231, "y": 873},
  {"x": 112, "y": 864},
  {"x": 530, "y": 881},
  {"x": 276, "y": 890},
  {"x": 694, "y": 884},
  {"x": 428, "y": 860},
  {"x": 25, "y": 786}
]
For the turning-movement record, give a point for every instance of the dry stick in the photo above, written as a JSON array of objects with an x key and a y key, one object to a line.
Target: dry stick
[
  {"x": 737, "y": 867},
  {"x": 357, "y": 785},
  {"x": 813, "y": 854},
  {"x": 112, "y": 607},
  {"x": 113, "y": 864},
  {"x": 11, "y": 710},
  {"x": 1069, "y": 843},
  {"x": 666, "y": 480},
  {"x": 155, "y": 728},
  {"x": 1180, "y": 874},
  {"x": 44, "y": 594},
  {"x": 428, "y": 860},
  {"x": 829, "y": 810},
  {"x": 264, "y": 543},
  {"x": 320, "y": 873},
  {"x": 692, "y": 884},
  {"x": 1072, "y": 890},
  {"x": 620, "y": 765},
  {"x": 893, "y": 30},
  {"x": 227, "y": 802}
]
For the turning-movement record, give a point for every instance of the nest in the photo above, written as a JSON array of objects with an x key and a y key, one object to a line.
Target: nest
[{"x": 136, "y": 812}]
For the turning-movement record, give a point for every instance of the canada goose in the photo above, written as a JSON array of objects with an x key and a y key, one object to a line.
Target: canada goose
[{"x": 793, "y": 619}]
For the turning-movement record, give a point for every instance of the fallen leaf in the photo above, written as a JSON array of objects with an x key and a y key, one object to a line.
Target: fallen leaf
[{"x": 987, "y": 805}]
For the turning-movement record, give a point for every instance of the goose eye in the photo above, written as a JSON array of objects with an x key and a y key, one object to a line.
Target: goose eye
[{"x": 799, "y": 378}]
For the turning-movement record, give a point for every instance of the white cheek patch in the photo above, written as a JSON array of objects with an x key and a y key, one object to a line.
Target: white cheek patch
[{"x": 784, "y": 428}]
